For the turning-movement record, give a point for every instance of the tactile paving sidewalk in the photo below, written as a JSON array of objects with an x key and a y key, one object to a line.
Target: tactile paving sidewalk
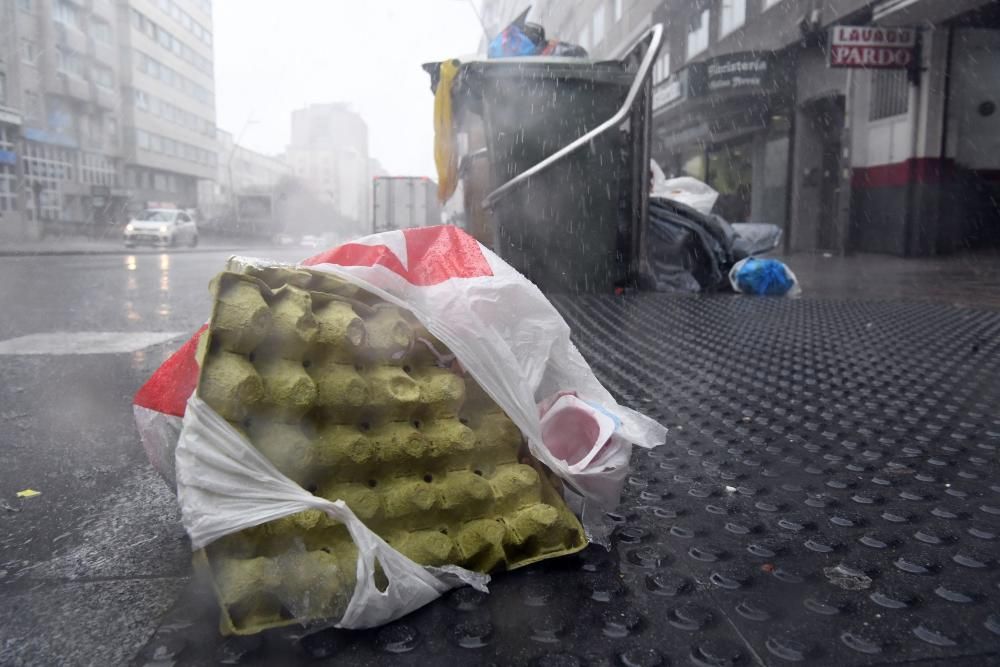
[{"x": 829, "y": 495}]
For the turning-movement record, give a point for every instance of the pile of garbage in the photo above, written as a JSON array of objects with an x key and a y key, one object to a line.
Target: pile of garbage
[
  {"x": 691, "y": 249},
  {"x": 397, "y": 416}
]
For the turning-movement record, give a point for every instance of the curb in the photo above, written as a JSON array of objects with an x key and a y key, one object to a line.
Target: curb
[{"x": 114, "y": 251}]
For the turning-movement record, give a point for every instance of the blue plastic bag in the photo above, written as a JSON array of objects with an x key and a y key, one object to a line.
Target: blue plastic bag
[
  {"x": 510, "y": 43},
  {"x": 763, "y": 277}
]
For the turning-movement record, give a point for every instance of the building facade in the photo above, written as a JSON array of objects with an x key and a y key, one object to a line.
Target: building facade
[
  {"x": 106, "y": 106},
  {"x": 846, "y": 159},
  {"x": 169, "y": 94},
  {"x": 60, "y": 116},
  {"x": 246, "y": 190},
  {"x": 329, "y": 154}
]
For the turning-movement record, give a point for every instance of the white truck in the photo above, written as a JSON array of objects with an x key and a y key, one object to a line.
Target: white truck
[{"x": 400, "y": 202}]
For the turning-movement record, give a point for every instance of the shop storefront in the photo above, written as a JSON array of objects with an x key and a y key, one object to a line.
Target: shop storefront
[
  {"x": 725, "y": 121},
  {"x": 11, "y": 204}
]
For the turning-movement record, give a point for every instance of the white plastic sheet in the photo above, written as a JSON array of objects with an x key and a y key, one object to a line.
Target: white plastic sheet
[
  {"x": 225, "y": 485},
  {"x": 504, "y": 333}
]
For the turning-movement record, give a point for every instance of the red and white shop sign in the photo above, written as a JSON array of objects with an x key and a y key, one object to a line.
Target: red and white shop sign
[{"x": 868, "y": 46}]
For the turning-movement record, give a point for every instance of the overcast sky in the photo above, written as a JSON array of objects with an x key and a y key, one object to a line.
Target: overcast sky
[{"x": 272, "y": 57}]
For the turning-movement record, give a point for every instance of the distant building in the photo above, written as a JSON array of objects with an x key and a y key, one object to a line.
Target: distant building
[
  {"x": 329, "y": 153},
  {"x": 168, "y": 92},
  {"x": 247, "y": 185}
]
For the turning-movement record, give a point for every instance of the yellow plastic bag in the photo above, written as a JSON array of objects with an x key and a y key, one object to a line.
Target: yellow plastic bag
[{"x": 445, "y": 154}]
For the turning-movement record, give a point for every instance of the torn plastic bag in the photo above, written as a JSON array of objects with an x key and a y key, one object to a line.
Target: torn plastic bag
[
  {"x": 501, "y": 328},
  {"x": 225, "y": 485}
]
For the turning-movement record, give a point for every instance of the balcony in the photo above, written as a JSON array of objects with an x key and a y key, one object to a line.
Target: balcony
[
  {"x": 66, "y": 85},
  {"x": 105, "y": 98},
  {"x": 70, "y": 38}
]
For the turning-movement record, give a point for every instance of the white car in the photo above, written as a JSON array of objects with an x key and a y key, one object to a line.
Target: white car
[
  {"x": 309, "y": 241},
  {"x": 161, "y": 227}
]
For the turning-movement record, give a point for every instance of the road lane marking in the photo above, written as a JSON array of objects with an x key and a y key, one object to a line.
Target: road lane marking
[{"x": 86, "y": 342}]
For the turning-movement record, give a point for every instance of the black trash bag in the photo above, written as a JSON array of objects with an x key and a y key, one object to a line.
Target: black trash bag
[{"x": 687, "y": 250}]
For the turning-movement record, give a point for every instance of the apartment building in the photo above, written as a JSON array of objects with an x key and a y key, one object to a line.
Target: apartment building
[
  {"x": 168, "y": 91},
  {"x": 106, "y": 106},
  {"x": 60, "y": 116}
]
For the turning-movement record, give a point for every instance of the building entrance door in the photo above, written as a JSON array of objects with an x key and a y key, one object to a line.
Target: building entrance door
[{"x": 825, "y": 125}]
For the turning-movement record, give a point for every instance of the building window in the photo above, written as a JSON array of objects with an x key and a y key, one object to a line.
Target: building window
[
  {"x": 66, "y": 13},
  {"x": 697, "y": 37},
  {"x": 8, "y": 182},
  {"x": 597, "y": 23},
  {"x": 3, "y": 87},
  {"x": 69, "y": 62},
  {"x": 890, "y": 94},
  {"x": 29, "y": 53},
  {"x": 770, "y": 3},
  {"x": 732, "y": 15},
  {"x": 661, "y": 68},
  {"x": 101, "y": 31},
  {"x": 25, "y": 5},
  {"x": 585, "y": 37},
  {"x": 32, "y": 105},
  {"x": 104, "y": 78},
  {"x": 618, "y": 10}
]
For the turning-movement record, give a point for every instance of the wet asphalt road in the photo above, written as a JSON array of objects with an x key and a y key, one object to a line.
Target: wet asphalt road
[{"x": 88, "y": 567}]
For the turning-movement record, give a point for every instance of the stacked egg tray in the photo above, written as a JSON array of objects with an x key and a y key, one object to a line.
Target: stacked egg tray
[{"x": 353, "y": 399}]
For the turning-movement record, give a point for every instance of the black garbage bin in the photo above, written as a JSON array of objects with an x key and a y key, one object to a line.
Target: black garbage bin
[{"x": 566, "y": 216}]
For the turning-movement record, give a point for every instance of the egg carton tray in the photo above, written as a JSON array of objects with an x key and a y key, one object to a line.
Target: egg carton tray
[{"x": 353, "y": 399}]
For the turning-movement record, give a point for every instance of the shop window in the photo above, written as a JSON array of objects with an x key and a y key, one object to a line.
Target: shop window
[
  {"x": 693, "y": 164},
  {"x": 730, "y": 172},
  {"x": 697, "y": 36},
  {"x": 32, "y": 105},
  {"x": 732, "y": 14},
  {"x": 890, "y": 94}
]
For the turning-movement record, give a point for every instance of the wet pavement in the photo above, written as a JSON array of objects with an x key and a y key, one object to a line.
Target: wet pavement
[
  {"x": 971, "y": 279},
  {"x": 89, "y": 567}
]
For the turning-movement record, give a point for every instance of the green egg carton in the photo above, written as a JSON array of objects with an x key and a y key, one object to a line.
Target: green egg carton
[{"x": 346, "y": 395}]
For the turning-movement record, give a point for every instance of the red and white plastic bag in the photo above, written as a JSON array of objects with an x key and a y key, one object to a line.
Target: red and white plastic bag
[{"x": 502, "y": 331}]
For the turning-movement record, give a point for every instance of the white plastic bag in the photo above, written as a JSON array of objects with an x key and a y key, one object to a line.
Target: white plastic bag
[
  {"x": 224, "y": 485},
  {"x": 504, "y": 333},
  {"x": 684, "y": 189}
]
